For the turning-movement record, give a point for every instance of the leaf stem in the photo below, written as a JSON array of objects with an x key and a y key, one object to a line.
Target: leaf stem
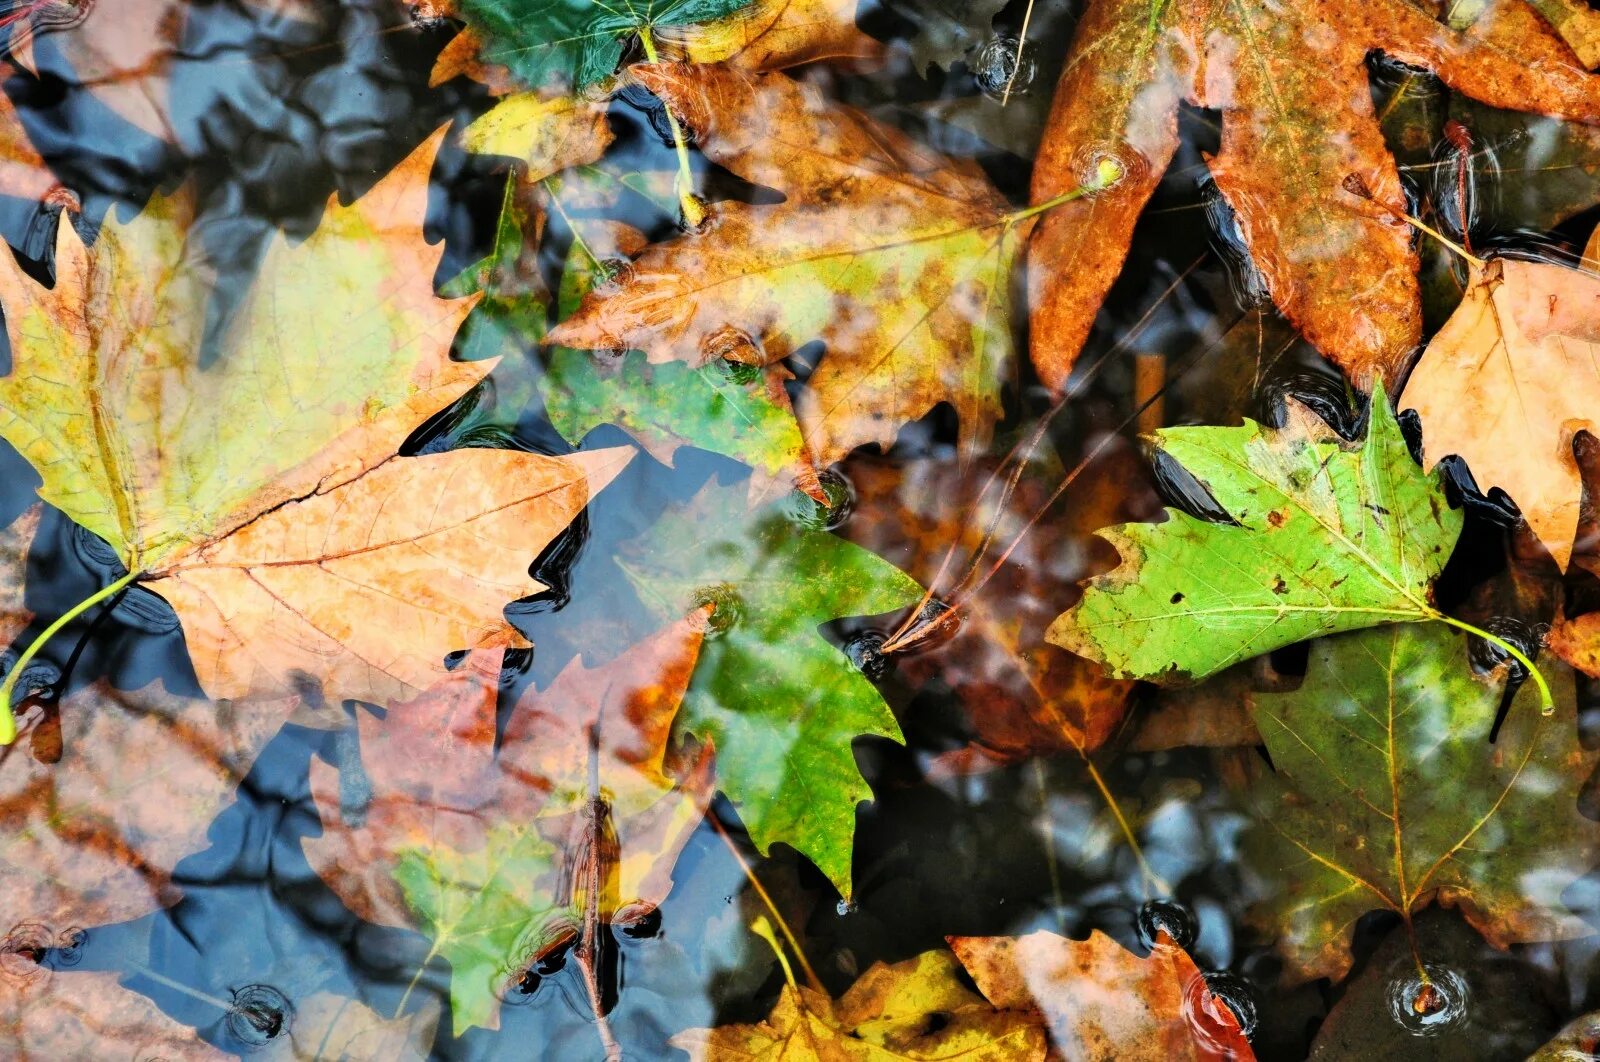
[
  {"x": 1547, "y": 701},
  {"x": 694, "y": 214},
  {"x": 1108, "y": 172},
  {"x": 8, "y": 721},
  {"x": 783, "y": 925}
]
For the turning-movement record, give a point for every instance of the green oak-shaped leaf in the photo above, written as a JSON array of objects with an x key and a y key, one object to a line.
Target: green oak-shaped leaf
[
  {"x": 779, "y": 703},
  {"x": 1389, "y": 795},
  {"x": 1327, "y": 536},
  {"x": 576, "y": 42}
]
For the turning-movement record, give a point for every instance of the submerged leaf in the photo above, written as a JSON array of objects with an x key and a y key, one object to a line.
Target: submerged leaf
[
  {"x": 54, "y": 1015},
  {"x": 487, "y": 852},
  {"x": 780, "y": 704},
  {"x": 258, "y": 495},
  {"x": 897, "y": 258},
  {"x": 1101, "y": 1002},
  {"x": 774, "y": 35},
  {"x": 330, "y": 1028},
  {"x": 1297, "y": 121},
  {"x": 1508, "y": 382},
  {"x": 1323, "y": 536},
  {"x": 1388, "y": 794},
  {"x": 916, "y": 1009}
]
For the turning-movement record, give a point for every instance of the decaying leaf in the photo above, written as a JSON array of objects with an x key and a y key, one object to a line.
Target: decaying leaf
[
  {"x": 1101, "y": 1002},
  {"x": 50, "y": 1015},
  {"x": 330, "y": 1028},
  {"x": 546, "y": 132},
  {"x": 258, "y": 494},
  {"x": 780, "y": 704},
  {"x": 1023, "y": 696},
  {"x": 15, "y": 541},
  {"x": 1323, "y": 536},
  {"x": 774, "y": 35},
  {"x": 1577, "y": 641},
  {"x": 897, "y": 258},
  {"x": 94, "y": 837},
  {"x": 1297, "y": 121},
  {"x": 487, "y": 852},
  {"x": 1577, "y": 23},
  {"x": 1507, "y": 383},
  {"x": 916, "y": 1009},
  {"x": 1389, "y": 795},
  {"x": 1578, "y": 1041}
]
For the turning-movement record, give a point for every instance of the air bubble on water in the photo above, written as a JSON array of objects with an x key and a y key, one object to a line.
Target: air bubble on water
[
  {"x": 865, "y": 651},
  {"x": 1166, "y": 916},
  {"x": 996, "y": 66},
  {"x": 1428, "y": 1008},
  {"x": 22, "y": 953},
  {"x": 845, "y": 908},
  {"x": 810, "y": 513},
  {"x": 727, "y": 609},
  {"x": 1210, "y": 1000},
  {"x": 71, "y": 943}
]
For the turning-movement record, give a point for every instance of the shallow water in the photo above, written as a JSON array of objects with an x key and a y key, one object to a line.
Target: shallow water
[{"x": 267, "y": 116}]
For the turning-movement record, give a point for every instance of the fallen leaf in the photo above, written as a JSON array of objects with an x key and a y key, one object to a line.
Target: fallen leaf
[
  {"x": 1101, "y": 1002},
  {"x": 1508, "y": 382},
  {"x": 1577, "y": 641},
  {"x": 1297, "y": 121},
  {"x": 15, "y": 541},
  {"x": 775, "y": 35},
  {"x": 1022, "y": 696},
  {"x": 573, "y": 43},
  {"x": 545, "y": 132},
  {"x": 1388, "y": 794},
  {"x": 256, "y": 495},
  {"x": 330, "y": 1028},
  {"x": 94, "y": 837},
  {"x": 897, "y": 258},
  {"x": 780, "y": 704},
  {"x": 484, "y": 852},
  {"x": 1578, "y": 1041},
  {"x": 1323, "y": 536},
  {"x": 916, "y": 1009},
  {"x": 1577, "y": 23},
  {"x": 51, "y": 1015}
]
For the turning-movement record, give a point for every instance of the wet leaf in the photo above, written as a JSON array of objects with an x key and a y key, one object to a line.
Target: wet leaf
[
  {"x": 547, "y": 133},
  {"x": 1577, "y": 641},
  {"x": 895, "y": 257},
  {"x": 330, "y": 1028},
  {"x": 51, "y": 1015},
  {"x": 726, "y": 407},
  {"x": 1509, "y": 380},
  {"x": 258, "y": 494},
  {"x": 485, "y": 852},
  {"x": 1022, "y": 696},
  {"x": 1389, "y": 795},
  {"x": 1577, "y": 23},
  {"x": 1578, "y": 1041},
  {"x": 1323, "y": 536},
  {"x": 781, "y": 705},
  {"x": 916, "y": 1009},
  {"x": 15, "y": 541},
  {"x": 1297, "y": 121},
  {"x": 1101, "y": 1002},
  {"x": 94, "y": 837},
  {"x": 774, "y": 35},
  {"x": 574, "y": 43}
]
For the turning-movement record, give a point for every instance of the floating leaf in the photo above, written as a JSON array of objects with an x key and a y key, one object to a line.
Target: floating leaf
[
  {"x": 547, "y": 133},
  {"x": 897, "y": 258},
  {"x": 1101, "y": 1002},
  {"x": 916, "y": 1009},
  {"x": 73, "y": 1014},
  {"x": 774, "y": 35},
  {"x": 259, "y": 495},
  {"x": 484, "y": 852},
  {"x": 1323, "y": 536},
  {"x": 1297, "y": 121},
  {"x": 779, "y": 703},
  {"x": 1509, "y": 380},
  {"x": 330, "y": 1028},
  {"x": 1388, "y": 794}
]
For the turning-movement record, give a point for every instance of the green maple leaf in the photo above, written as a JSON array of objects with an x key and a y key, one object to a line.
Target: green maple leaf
[
  {"x": 1388, "y": 794},
  {"x": 778, "y": 702},
  {"x": 1326, "y": 536},
  {"x": 576, "y": 41}
]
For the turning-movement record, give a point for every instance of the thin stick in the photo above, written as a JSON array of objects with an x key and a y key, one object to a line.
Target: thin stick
[
  {"x": 783, "y": 925},
  {"x": 1016, "y": 63}
]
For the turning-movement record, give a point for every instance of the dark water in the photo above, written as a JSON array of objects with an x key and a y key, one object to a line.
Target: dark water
[{"x": 269, "y": 115}]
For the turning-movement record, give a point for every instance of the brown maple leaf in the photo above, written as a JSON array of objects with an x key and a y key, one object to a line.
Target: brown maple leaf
[
  {"x": 1101, "y": 1002},
  {"x": 1507, "y": 384},
  {"x": 1297, "y": 121},
  {"x": 503, "y": 857},
  {"x": 894, "y": 256},
  {"x": 93, "y": 837},
  {"x": 1023, "y": 696}
]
